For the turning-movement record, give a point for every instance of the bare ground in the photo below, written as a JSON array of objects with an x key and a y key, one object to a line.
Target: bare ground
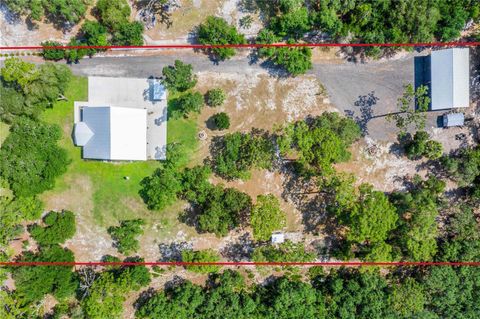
[
  {"x": 376, "y": 163},
  {"x": 17, "y": 31}
]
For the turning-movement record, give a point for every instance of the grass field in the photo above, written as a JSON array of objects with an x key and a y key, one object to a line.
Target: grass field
[
  {"x": 113, "y": 196},
  {"x": 3, "y": 132}
]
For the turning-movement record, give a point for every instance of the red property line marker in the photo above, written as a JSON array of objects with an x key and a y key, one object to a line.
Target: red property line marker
[
  {"x": 246, "y": 263},
  {"x": 248, "y": 45}
]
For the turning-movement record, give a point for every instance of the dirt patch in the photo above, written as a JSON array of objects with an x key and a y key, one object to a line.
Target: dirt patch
[
  {"x": 261, "y": 101},
  {"x": 15, "y": 31},
  {"x": 192, "y": 13},
  {"x": 184, "y": 20},
  {"x": 381, "y": 165},
  {"x": 328, "y": 55}
]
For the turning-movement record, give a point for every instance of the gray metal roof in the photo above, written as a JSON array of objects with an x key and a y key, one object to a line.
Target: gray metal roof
[
  {"x": 450, "y": 78},
  {"x": 98, "y": 120},
  {"x": 453, "y": 119}
]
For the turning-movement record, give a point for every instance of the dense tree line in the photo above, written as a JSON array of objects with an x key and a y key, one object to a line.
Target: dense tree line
[
  {"x": 344, "y": 293},
  {"x": 113, "y": 27},
  {"x": 63, "y": 13},
  {"x": 364, "y": 21}
]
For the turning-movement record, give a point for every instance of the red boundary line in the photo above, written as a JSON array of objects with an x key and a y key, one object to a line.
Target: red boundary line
[
  {"x": 248, "y": 45},
  {"x": 246, "y": 263}
]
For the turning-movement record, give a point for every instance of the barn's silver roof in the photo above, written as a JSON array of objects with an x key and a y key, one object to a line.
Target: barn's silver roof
[
  {"x": 450, "y": 78},
  {"x": 112, "y": 133}
]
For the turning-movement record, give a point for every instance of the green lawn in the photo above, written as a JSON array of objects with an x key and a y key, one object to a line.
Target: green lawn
[
  {"x": 114, "y": 197},
  {"x": 4, "y": 127}
]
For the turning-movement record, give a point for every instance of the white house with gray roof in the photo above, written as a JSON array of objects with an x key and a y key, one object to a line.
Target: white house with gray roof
[
  {"x": 450, "y": 78},
  {"x": 123, "y": 119}
]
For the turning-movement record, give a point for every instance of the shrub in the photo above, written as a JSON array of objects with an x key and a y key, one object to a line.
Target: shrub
[
  {"x": 266, "y": 217},
  {"x": 125, "y": 235},
  {"x": 207, "y": 255},
  {"x": 221, "y": 121},
  {"x": 191, "y": 102},
  {"x": 52, "y": 54},
  {"x": 236, "y": 153},
  {"x": 215, "y": 97},
  {"x": 59, "y": 226},
  {"x": 179, "y": 77},
  {"x": 286, "y": 252},
  {"x": 217, "y": 31}
]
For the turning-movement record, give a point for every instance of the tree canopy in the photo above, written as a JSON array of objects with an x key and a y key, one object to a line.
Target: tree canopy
[
  {"x": 236, "y": 153},
  {"x": 30, "y": 159},
  {"x": 29, "y": 89},
  {"x": 217, "y": 31},
  {"x": 32, "y": 283},
  {"x": 125, "y": 235},
  {"x": 15, "y": 211},
  {"x": 319, "y": 142},
  {"x": 266, "y": 217},
  {"x": 179, "y": 77},
  {"x": 60, "y": 12},
  {"x": 59, "y": 226}
]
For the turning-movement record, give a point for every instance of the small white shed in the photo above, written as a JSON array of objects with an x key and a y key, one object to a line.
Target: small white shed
[{"x": 278, "y": 238}]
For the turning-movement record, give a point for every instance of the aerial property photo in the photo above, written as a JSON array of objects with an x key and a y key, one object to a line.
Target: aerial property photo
[{"x": 239, "y": 159}]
